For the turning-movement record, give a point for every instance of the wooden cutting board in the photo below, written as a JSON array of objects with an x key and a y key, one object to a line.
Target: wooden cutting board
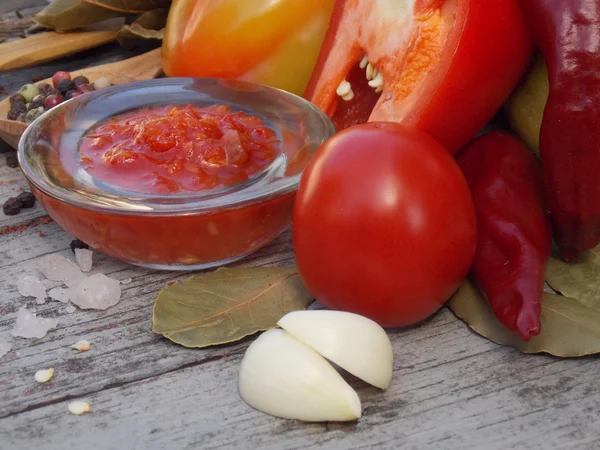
[{"x": 49, "y": 45}]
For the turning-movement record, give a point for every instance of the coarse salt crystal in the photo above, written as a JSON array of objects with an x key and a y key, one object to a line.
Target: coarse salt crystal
[
  {"x": 61, "y": 294},
  {"x": 5, "y": 347},
  {"x": 31, "y": 286},
  {"x": 82, "y": 346},
  {"x": 83, "y": 257},
  {"x": 70, "y": 309},
  {"x": 28, "y": 325},
  {"x": 96, "y": 292},
  {"x": 79, "y": 407},
  {"x": 126, "y": 281},
  {"x": 56, "y": 267},
  {"x": 44, "y": 375}
]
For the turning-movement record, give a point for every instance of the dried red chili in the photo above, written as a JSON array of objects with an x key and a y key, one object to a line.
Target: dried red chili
[
  {"x": 568, "y": 34},
  {"x": 514, "y": 235}
]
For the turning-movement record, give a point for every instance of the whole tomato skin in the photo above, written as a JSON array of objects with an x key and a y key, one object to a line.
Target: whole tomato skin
[
  {"x": 384, "y": 224},
  {"x": 272, "y": 42}
]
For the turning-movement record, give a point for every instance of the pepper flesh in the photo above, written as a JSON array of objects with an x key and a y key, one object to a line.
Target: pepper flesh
[
  {"x": 568, "y": 35},
  {"x": 272, "y": 42},
  {"x": 446, "y": 65},
  {"x": 514, "y": 234}
]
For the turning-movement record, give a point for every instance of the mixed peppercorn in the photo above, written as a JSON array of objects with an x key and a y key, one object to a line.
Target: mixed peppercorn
[
  {"x": 32, "y": 100},
  {"x": 13, "y": 205}
]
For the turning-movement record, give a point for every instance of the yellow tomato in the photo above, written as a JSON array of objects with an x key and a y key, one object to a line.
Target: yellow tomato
[{"x": 272, "y": 42}]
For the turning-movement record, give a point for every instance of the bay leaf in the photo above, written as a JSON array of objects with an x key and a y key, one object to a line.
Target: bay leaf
[
  {"x": 150, "y": 25},
  {"x": 579, "y": 279},
  {"x": 66, "y": 15},
  {"x": 569, "y": 328},
  {"x": 227, "y": 305}
]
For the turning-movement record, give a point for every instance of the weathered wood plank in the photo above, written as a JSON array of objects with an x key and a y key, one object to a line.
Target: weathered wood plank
[
  {"x": 467, "y": 393},
  {"x": 125, "y": 350},
  {"x": 451, "y": 388}
]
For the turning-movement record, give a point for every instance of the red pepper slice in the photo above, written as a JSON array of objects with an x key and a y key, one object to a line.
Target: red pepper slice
[
  {"x": 447, "y": 65},
  {"x": 513, "y": 230}
]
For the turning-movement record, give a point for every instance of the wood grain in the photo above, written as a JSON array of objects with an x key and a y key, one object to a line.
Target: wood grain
[
  {"x": 48, "y": 46},
  {"x": 451, "y": 388}
]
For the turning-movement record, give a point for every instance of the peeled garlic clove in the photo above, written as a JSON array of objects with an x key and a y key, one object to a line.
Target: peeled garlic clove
[
  {"x": 283, "y": 377},
  {"x": 353, "y": 342}
]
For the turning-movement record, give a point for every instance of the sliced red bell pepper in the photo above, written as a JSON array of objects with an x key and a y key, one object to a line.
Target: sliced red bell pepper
[{"x": 445, "y": 66}]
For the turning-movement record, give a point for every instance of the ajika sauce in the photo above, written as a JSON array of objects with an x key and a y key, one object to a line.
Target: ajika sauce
[{"x": 177, "y": 149}]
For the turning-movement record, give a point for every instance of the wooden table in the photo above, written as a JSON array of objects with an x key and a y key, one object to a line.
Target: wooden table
[{"x": 451, "y": 389}]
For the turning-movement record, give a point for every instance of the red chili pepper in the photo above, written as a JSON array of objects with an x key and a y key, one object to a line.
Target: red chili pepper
[
  {"x": 568, "y": 34},
  {"x": 514, "y": 234}
]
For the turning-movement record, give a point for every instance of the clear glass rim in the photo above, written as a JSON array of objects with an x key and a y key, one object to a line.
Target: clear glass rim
[{"x": 264, "y": 187}]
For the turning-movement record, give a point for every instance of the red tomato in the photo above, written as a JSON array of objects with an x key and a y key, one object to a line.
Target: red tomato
[
  {"x": 445, "y": 66},
  {"x": 384, "y": 224}
]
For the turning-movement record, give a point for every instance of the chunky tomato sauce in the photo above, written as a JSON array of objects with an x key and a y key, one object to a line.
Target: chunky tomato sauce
[{"x": 172, "y": 149}]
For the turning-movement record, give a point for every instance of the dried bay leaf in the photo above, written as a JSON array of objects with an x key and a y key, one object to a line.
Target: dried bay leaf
[
  {"x": 569, "y": 328},
  {"x": 579, "y": 279},
  {"x": 66, "y": 15},
  {"x": 227, "y": 305},
  {"x": 150, "y": 25}
]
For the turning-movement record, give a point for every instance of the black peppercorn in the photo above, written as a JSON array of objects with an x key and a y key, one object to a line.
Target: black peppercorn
[
  {"x": 27, "y": 199},
  {"x": 76, "y": 243},
  {"x": 12, "y": 114},
  {"x": 69, "y": 94},
  {"x": 16, "y": 98},
  {"x": 19, "y": 107},
  {"x": 37, "y": 101},
  {"x": 80, "y": 80},
  {"x": 44, "y": 88},
  {"x": 15, "y": 110},
  {"x": 52, "y": 91},
  {"x": 65, "y": 86},
  {"x": 11, "y": 206},
  {"x": 12, "y": 160}
]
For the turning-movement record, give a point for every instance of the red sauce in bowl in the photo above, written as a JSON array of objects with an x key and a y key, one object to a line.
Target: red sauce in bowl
[{"x": 177, "y": 149}]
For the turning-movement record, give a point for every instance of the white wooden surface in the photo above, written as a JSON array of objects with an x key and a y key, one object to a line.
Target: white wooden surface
[{"x": 451, "y": 389}]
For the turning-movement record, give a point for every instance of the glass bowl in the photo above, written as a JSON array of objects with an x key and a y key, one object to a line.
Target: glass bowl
[{"x": 182, "y": 231}]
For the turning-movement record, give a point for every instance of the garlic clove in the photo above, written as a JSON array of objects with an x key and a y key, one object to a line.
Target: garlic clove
[
  {"x": 353, "y": 342},
  {"x": 283, "y": 377}
]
